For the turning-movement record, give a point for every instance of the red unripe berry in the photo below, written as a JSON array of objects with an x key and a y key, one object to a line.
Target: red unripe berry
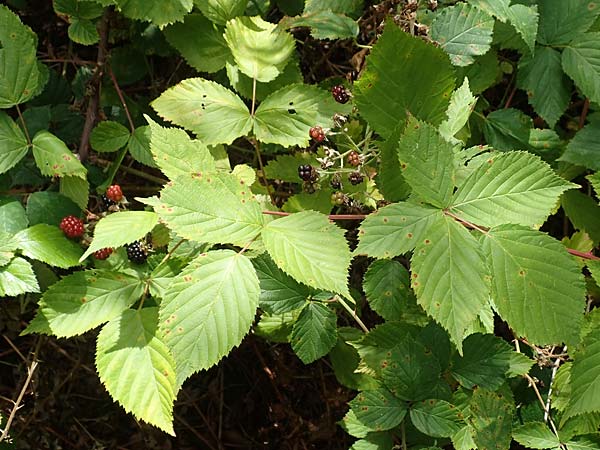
[
  {"x": 103, "y": 253},
  {"x": 72, "y": 226},
  {"x": 114, "y": 193},
  {"x": 317, "y": 134}
]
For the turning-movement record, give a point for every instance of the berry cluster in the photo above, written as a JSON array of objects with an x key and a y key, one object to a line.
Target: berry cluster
[
  {"x": 114, "y": 193},
  {"x": 340, "y": 94},
  {"x": 72, "y": 226},
  {"x": 355, "y": 178},
  {"x": 339, "y": 198},
  {"x": 136, "y": 252},
  {"x": 307, "y": 172},
  {"x": 317, "y": 133},
  {"x": 103, "y": 253},
  {"x": 354, "y": 158}
]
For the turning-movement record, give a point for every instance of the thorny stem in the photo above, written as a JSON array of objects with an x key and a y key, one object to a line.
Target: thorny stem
[{"x": 352, "y": 313}]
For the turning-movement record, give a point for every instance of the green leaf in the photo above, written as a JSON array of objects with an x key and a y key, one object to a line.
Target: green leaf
[
  {"x": 449, "y": 276},
  {"x": 583, "y": 212},
  {"x": 395, "y": 229},
  {"x": 314, "y": 332},
  {"x": 17, "y": 278},
  {"x": 462, "y": 440},
  {"x": 589, "y": 442},
  {"x": 386, "y": 91},
  {"x": 54, "y": 158},
  {"x": 513, "y": 187},
  {"x": 48, "y": 244},
  {"x": 176, "y": 154},
  {"x": 135, "y": 366},
  {"x": 220, "y": 11},
  {"x": 389, "y": 180},
  {"x": 491, "y": 416},
  {"x": 581, "y": 61},
  {"x": 12, "y": 215},
  {"x": 535, "y": 435},
  {"x": 109, "y": 136},
  {"x": 436, "y": 418},
  {"x": 386, "y": 285},
  {"x": 353, "y": 426},
  {"x": 461, "y": 105},
  {"x": 547, "y": 87},
  {"x": 199, "y": 42},
  {"x": 463, "y": 31},
  {"x": 276, "y": 328},
  {"x": 208, "y": 309},
  {"x": 159, "y": 12},
  {"x": 374, "y": 441},
  {"x": 83, "y": 31},
  {"x": 8, "y": 245},
  {"x": 526, "y": 265},
  {"x": 20, "y": 77},
  {"x": 84, "y": 300},
  {"x": 260, "y": 49},
  {"x": 49, "y": 207},
  {"x": 508, "y": 129},
  {"x": 585, "y": 377},
  {"x": 378, "y": 409},
  {"x": 285, "y": 167},
  {"x": 139, "y": 146},
  {"x": 120, "y": 228},
  {"x": 308, "y": 247},
  {"x": 75, "y": 188},
  {"x": 216, "y": 208},
  {"x": 525, "y": 20},
  {"x": 584, "y": 148},
  {"x": 279, "y": 293},
  {"x": 563, "y": 20},
  {"x": 208, "y": 109},
  {"x": 13, "y": 144},
  {"x": 427, "y": 162},
  {"x": 324, "y": 24}
]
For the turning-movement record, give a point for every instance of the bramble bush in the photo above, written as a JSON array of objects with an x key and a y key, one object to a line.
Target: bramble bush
[{"x": 455, "y": 180}]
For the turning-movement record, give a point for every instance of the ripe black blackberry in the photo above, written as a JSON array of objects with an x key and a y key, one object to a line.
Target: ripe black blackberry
[
  {"x": 355, "y": 178},
  {"x": 340, "y": 94},
  {"x": 107, "y": 202},
  {"x": 308, "y": 173},
  {"x": 136, "y": 252}
]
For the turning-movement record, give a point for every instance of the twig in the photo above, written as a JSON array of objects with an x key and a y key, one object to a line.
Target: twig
[
  {"x": 554, "y": 370},
  {"x": 22, "y": 120},
  {"x": 468, "y": 224},
  {"x": 352, "y": 313},
  {"x": 584, "y": 255},
  {"x": 17, "y": 402},
  {"x": 138, "y": 173},
  {"x": 120, "y": 94},
  {"x": 262, "y": 171},
  {"x": 584, "y": 112}
]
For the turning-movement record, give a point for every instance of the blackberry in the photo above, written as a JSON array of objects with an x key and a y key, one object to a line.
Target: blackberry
[
  {"x": 354, "y": 158},
  {"x": 103, "y": 253},
  {"x": 72, "y": 226},
  {"x": 355, "y": 178},
  {"x": 136, "y": 252},
  {"x": 338, "y": 198},
  {"x": 340, "y": 94},
  {"x": 317, "y": 133},
  {"x": 336, "y": 182},
  {"x": 114, "y": 193},
  {"x": 107, "y": 202},
  {"x": 308, "y": 173}
]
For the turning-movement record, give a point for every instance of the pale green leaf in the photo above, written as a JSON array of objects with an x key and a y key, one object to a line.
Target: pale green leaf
[
  {"x": 312, "y": 250},
  {"x": 563, "y": 20},
  {"x": 537, "y": 286},
  {"x": 421, "y": 85},
  {"x": 436, "y": 418},
  {"x": 449, "y": 276},
  {"x": 463, "y": 31},
  {"x": 220, "y": 11},
  {"x": 176, "y": 154},
  {"x": 54, "y": 158},
  {"x": 84, "y": 300},
  {"x": 581, "y": 61},
  {"x": 12, "y": 215},
  {"x": 324, "y": 24},
  {"x": 120, "y": 228},
  {"x": 535, "y": 435},
  {"x": 208, "y": 309},
  {"x": 513, "y": 187},
  {"x": 427, "y": 162},
  {"x": 199, "y": 42},
  {"x": 159, "y": 12},
  {"x": 459, "y": 110},
  {"x": 462, "y": 439},
  {"x": 394, "y": 229},
  {"x": 139, "y": 146},
  {"x": 135, "y": 366},
  {"x": 277, "y": 327},
  {"x": 48, "y": 244},
  {"x": 20, "y": 76},
  {"x": 497, "y": 8},
  {"x": 8, "y": 245},
  {"x": 584, "y": 148},
  {"x": 260, "y": 49},
  {"x": 314, "y": 334},
  {"x": 353, "y": 426},
  {"x": 585, "y": 377},
  {"x": 75, "y": 188},
  {"x": 375, "y": 441},
  {"x": 208, "y": 109},
  {"x": 491, "y": 416},
  {"x": 386, "y": 285},
  {"x": 13, "y": 144},
  {"x": 83, "y": 31},
  {"x": 17, "y": 278},
  {"x": 378, "y": 409},
  {"x": 215, "y": 208},
  {"x": 109, "y": 136}
]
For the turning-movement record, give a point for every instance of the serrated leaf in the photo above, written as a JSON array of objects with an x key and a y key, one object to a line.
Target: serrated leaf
[
  {"x": 449, "y": 276},
  {"x": 547, "y": 87},
  {"x": 436, "y": 418},
  {"x": 215, "y": 208},
  {"x": 220, "y": 11},
  {"x": 136, "y": 368},
  {"x": 54, "y": 158},
  {"x": 526, "y": 265},
  {"x": 389, "y": 179},
  {"x": 139, "y": 146},
  {"x": 120, "y": 228},
  {"x": 75, "y": 188},
  {"x": 214, "y": 113},
  {"x": 525, "y": 20},
  {"x": 308, "y": 247},
  {"x": 462, "y": 439},
  {"x": 581, "y": 61},
  {"x": 199, "y": 42},
  {"x": 491, "y": 416},
  {"x": 507, "y": 129},
  {"x": 585, "y": 377},
  {"x": 159, "y": 12},
  {"x": 279, "y": 293},
  {"x": 12, "y": 215},
  {"x": 208, "y": 309},
  {"x": 13, "y": 144},
  {"x": 461, "y": 105},
  {"x": 483, "y": 73},
  {"x": 378, "y": 409},
  {"x": 49, "y": 207},
  {"x": 463, "y": 31},
  {"x": 563, "y": 20},
  {"x": 386, "y": 285},
  {"x": 48, "y": 244},
  {"x": 285, "y": 167},
  {"x": 8, "y": 245},
  {"x": 583, "y": 212},
  {"x": 276, "y": 328},
  {"x": 589, "y": 442},
  {"x": 78, "y": 8},
  {"x": 395, "y": 229},
  {"x": 84, "y": 300},
  {"x": 427, "y": 162},
  {"x": 314, "y": 332},
  {"x": 83, "y": 31},
  {"x": 324, "y": 24},
  {"x": 535, "y": 435},
  {"x": 421, "y": 85},
  {"x": 513, "y": 187},
  {"x": 109, "y": 136},
  {"x": 17, "y": 277},
  {"x": 20, "y": 76},
  {"x": 353, "y": 426},
  {"x": 176, "y": 154},
  {"x": 375, "y": 441},
  {"x": 584, "y": 148}
]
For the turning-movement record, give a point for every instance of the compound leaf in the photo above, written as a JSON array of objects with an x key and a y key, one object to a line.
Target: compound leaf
[{"x": 314, "y": 333}]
